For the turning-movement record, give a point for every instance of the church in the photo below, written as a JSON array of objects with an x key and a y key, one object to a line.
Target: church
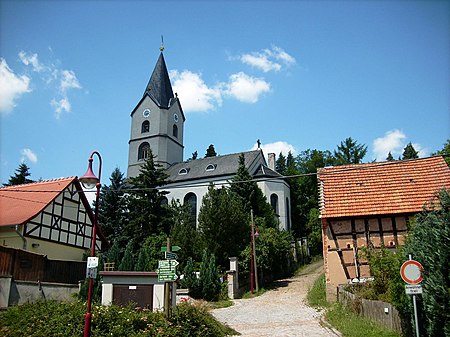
[{"x": 157, "y": 123}]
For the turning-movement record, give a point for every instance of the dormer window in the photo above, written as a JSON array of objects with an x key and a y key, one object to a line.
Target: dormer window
[
  {"x": 183, "y": 171},
  {"x": 210, "y": 167}
]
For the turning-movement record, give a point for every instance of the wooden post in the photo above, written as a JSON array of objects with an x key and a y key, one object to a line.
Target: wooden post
[{"x": 167, "y": 288}]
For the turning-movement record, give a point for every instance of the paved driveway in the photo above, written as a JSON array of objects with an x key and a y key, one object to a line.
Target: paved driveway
[{"x": 280, "y": 312}]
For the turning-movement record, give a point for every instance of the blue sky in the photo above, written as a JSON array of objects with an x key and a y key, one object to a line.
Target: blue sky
[{"x": 294, "y": 74}]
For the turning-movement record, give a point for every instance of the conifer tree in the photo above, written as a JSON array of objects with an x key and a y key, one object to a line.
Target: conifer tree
[
  {"x": 127, "y": 263},
  {"x": 409, "y": 152},
  {"x": 20, "y": 177},
  {"x": 280, "y": 164},
  {"x": 390, "y": 157},
  {"x": 350, "y": 152},
  {"x": 210, "y": 152},
  {"x": 147, "y": 212}
]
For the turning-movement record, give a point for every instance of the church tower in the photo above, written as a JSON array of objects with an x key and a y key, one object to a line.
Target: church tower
[{"x": 157, "y": 123}]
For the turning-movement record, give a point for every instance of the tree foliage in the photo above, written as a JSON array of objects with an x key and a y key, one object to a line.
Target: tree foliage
[
  {"x": 429, "y": 243},
  {"x": 112, "y": 206},
  {"x": 444, "y": 151},
  {"x": 20, "y": 177},
  {"x": 350, "y": 152},
  {"x": 210, "y": 152},
  {"x": 223, "y": 224},
  {"x": 409, "y": 152}
]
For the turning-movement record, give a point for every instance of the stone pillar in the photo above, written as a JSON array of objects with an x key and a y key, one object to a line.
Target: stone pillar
[{"x": 232, "y": 278}]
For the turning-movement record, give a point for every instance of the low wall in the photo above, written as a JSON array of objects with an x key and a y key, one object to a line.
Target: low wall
[
  {"x": 14, "y": 292},
  {"x": 381, "y": 312}
]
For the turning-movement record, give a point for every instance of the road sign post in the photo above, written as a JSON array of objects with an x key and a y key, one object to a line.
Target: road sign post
[{"x": 411, "y": 273}]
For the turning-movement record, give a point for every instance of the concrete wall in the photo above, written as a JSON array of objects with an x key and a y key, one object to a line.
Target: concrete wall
[{"x": 20, "y": 292}]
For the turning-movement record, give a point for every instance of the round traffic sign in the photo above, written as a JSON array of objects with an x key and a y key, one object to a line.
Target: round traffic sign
[{"x": 411, "y": 272}]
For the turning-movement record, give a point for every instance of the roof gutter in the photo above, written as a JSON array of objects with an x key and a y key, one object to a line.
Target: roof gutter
[{"x": 21, "y": 236}]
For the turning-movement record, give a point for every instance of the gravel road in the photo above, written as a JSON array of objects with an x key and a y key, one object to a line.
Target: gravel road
[{"x": 280, "y": 312}]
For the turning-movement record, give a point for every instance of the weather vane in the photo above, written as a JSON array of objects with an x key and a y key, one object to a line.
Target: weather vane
[{"x": 162, "y": 44}]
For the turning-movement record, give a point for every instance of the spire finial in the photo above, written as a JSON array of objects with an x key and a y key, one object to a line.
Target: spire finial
[{"x": 162, "y": 44}]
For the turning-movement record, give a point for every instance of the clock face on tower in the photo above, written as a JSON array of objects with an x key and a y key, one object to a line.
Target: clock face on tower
[
  {"x": 175, "y": 118},
  {"x": 146, "y": 113}
]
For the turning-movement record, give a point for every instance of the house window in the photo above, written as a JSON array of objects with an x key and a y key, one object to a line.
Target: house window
[
  {"x": 175, "y": 131},
  {"x": 191, "y": 199},
  {"x": 145, "y": 127},
  {"x": 210, "y": 167},
  {"x": 144, "y": 151},
  {"x": 274, "y": 203}
]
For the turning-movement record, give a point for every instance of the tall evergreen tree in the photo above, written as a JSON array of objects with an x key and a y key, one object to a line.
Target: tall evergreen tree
[
  {"x": 113, "y": 208},
  {"x": 280, "y": 164},
  {"x": 147, "y": 212},
  {"x": 390, "y": 157},
  {"x": 350, "y": 152},
  {"x": 127, "y": 263},
  {"x": 409, "y": 152},
  {"x": 210, "y": 152},
  {"x": 223, "y": 224},
  {"x": 251, "y": 195},
  {"x": 20, "y": 177}
]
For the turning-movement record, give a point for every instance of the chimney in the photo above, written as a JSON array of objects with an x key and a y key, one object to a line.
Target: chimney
[{"x": 271, "y": 157}]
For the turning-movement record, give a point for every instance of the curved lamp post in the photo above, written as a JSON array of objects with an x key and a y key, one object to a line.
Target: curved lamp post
[{"x": 89, "y": 180}]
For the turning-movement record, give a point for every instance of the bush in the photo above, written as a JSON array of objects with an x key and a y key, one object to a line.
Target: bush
[{"x": 51, "y": 318}]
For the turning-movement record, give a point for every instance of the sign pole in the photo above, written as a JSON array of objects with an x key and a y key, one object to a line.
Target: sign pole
[
  {"x": 167, "y": 289},
  {"x": 416, "y": 316}
]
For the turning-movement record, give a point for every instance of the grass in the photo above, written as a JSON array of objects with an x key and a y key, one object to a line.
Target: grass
[{"x": 343, "y": 319}]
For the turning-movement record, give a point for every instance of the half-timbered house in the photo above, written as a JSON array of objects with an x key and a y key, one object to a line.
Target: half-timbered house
[
  {"x": 51, "y": 218},
  {"x": 370, "y": 205}
]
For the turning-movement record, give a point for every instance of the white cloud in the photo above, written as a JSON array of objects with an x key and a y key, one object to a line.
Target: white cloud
[
  {"x": 194, "y": 94},
  {"x": 68, "y": 81},
  {"x": 246, "y": 88},
  {"x": 29, "y": 155},
  {"x": 32, "y": 60},
  {"x": 394, "y": 141},
  {"x": 277, "y": 148},
  {"x": 268, "y": 59},
  {"x": 11, "y": 87},
  {"x": 63, "y": 105}
]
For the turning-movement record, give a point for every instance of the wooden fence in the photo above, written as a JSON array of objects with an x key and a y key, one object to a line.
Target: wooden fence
[{"x": 27, "y": 266}]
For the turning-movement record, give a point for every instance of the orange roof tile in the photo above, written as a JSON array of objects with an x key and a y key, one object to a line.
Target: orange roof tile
[
  {"x": 20, "y": 203},
  {"x": 393, "y": 187}
]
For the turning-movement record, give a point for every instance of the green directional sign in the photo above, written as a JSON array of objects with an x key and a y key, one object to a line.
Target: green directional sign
[
  {"x": 174, "y": 249},
  {"x": 170, "y": 256},
  {"x": 167, "y": 270}
]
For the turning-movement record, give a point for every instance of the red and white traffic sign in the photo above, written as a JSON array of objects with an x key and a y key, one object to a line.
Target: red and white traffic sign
[{"x": 411, "y": 272}]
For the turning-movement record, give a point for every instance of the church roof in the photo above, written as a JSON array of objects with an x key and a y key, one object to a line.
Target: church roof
[
  {"x": 219, "y": 166},
  {"x": 159, "y": 87}
]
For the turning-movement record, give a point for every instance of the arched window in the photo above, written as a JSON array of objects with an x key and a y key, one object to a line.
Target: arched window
[
  {"x": 145, "y": 127},
  {"x": 288, "y": 215},
  {"x": 191, "y": 199},
  {"x": 144, "y": 151},
  {"x": 175, "y": 131},
  {"x": 274, "y": 203}
]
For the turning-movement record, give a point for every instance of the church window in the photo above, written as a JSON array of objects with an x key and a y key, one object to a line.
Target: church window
[
  {"x": 175, "y": 131},
  {"x": 144, "y": 151},
  {"x": 145, "y": 127},
  {"x": 210, "y": 167},
  {"x": 288, "y": 215},
  {"x": 191, "y": 199},
  {"x": 183, "y": 171},
  {"x": 164, "y": 201},
  {"x": 274, "y": 202}
]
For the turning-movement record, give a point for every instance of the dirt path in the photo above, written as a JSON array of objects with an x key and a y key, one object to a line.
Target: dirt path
[{"x": 280, "y": 312}]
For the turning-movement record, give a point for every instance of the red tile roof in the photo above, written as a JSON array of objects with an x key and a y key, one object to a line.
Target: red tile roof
[
  {"x": 381, "y": 188},
  {"x": 21, "y": 203}
]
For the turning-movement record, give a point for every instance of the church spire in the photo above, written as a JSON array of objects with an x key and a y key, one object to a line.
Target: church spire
[{"x": 159, "y": 88}]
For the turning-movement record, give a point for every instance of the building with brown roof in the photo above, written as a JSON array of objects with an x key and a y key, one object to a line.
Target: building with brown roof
[
  {"x": 51, "y": 218},
  {"x": 370, "y": 205}
]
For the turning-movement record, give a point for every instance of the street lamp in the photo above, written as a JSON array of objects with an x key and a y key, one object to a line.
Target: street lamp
[{"x": 89, "y": 180}]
